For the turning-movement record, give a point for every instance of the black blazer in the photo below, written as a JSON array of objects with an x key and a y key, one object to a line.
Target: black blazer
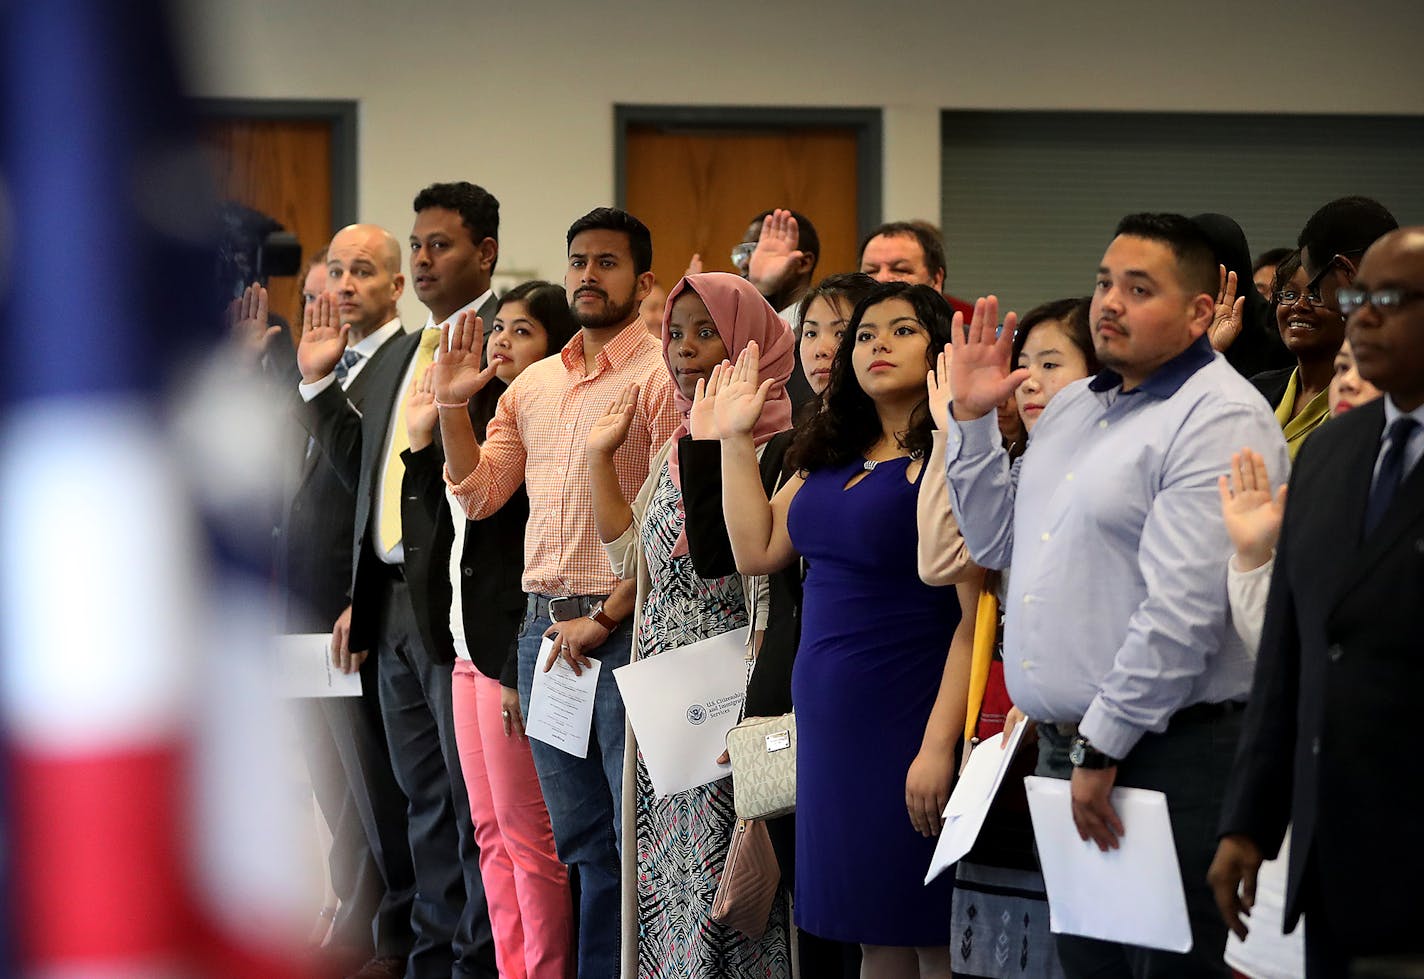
[
  {"x": 1273, "y": 384},
  {"x": 314, "y": 531},
  {"x": 1330, "y": 741},
  {"x": 769, "y": 692},
  {"x": 491, "y": 568},
  {"x": 355, "y": 441}
]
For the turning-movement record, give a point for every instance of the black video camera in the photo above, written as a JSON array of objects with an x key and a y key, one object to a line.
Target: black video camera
[{"x": 252, "y": 248}]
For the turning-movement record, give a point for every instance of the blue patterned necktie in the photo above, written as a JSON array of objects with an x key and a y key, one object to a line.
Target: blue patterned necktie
[
  {"x": 348, "y": 360},
  {"x": 1391, "y": 471}
]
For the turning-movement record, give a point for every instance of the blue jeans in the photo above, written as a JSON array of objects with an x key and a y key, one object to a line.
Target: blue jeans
[{"x": 585, "y": 797}]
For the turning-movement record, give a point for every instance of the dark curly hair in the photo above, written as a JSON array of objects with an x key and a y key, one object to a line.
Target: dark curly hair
[{"x": 848, "y": 424}]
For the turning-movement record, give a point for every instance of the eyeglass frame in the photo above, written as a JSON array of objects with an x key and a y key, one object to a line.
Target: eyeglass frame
[
  {"x": 745, "y": 246},
  {"x": 1311, "y": 295},
  {"x": 1357, "y": 299}
]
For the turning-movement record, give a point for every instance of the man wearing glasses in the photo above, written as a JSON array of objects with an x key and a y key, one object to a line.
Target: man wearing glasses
[{"x": 1329, "y": 742}]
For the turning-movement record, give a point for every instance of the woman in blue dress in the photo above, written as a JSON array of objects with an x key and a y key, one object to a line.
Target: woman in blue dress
[{"x": 882, "y": 671}]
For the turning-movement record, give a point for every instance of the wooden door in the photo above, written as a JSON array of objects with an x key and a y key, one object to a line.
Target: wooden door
[
  {"x": 283, "y": 169},
  {"x": 697, "y": 190}
]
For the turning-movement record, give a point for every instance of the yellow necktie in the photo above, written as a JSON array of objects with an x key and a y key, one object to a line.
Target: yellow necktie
[{"x": 389, "y": 527}]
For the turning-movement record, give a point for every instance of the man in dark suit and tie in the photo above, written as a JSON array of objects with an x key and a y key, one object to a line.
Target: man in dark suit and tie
[
  {"x": 344, "y": 737},
  {"x": 450, "y": 917},
  {"x": 1330, "y": 742}
]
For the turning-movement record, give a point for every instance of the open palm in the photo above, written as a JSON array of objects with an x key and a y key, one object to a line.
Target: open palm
[
  {"x": 979, "y": 371},
  {"x": 1251, "y": 512},
  {"x": 247, "y": 319},
  {"x": 421, "y": 414},
  {"x": 611, "y": 431},
  {"x": 323, "y": 339},
  {"x": 941, "y": 391},
  {"x": 741, "y": 398},
  {"x": 1226, "y": 322},
  {"x": 775, "y": 258},
  {"x": 457, "y": 373},
  {"x": 702, "y": 419}
]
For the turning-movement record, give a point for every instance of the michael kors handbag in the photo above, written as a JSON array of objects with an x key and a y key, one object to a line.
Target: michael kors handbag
[{"x": 763, "y": 753}]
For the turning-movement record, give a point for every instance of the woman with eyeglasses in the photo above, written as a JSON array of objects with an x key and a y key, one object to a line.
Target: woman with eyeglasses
[{"x": 1313, "y": 332}]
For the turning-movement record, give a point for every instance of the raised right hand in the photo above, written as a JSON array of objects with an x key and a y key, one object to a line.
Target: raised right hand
[
  {"x": 1226, "y": 323},
  {"x": 323, "y": 339},
  {"x": 247, "y": 321},
  {"x": 773, "y": 262},
  {"x": 422, "y": 418},
  {"x": 457, "y": 373},
  {"x": 611, "y": 431},
  {"x": 979, "y": 372},
  {"x": 741, "y": 399},
  {"x": 1252, "y": 514},
  {"x": 702, "y": 419},
  {"x": 941, "y": 392}
]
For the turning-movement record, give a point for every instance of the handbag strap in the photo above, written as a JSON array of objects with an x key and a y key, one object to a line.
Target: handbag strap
[{"x": 750, "y": 645}]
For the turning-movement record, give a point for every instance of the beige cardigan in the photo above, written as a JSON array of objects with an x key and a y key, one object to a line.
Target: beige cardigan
[
  {"x": 628, "y": 560},
  {"x": 943, "y": 556}
]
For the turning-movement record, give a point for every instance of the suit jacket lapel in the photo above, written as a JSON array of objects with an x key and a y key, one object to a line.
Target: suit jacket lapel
[{"x": 487, "y": 312}]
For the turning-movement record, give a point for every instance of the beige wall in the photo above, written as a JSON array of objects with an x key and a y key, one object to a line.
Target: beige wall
[{"x": 519, "y": 97}]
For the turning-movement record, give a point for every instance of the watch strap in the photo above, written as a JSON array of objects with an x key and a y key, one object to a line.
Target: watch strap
[{"x": 603, "y": 618}]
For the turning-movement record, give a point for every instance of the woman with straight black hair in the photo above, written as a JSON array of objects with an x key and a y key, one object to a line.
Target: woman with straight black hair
[{"x": 880, "y": 678}]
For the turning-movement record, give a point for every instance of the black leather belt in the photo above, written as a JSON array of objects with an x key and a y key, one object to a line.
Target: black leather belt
[
  {"x": 563, "y": 608},
  {"x": 1194, "y": 714},
  {"x": 1207, "y": 712}
]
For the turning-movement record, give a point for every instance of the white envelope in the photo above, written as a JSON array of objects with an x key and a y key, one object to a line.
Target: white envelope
[
  {"x": 972, "y": 796},
  {"x": 304, "y": 668},
  {"x": 1132, "y": 894},
  {"x": 681, "y": 704}
]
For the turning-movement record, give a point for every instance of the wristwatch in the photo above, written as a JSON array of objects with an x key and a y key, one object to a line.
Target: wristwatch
[
  {"x": 598, "y": 615},
  {"x": 1083, "y": 755}
]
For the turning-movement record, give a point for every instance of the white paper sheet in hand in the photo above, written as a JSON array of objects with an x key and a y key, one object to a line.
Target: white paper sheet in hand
[
  {"x": 1132, "y": 894},
  {"x": 304, "y": 668},
  {"x": 681, "y": 704},
  {"x": 561, "y": 704},
  {"x": 969, "y": 802}
]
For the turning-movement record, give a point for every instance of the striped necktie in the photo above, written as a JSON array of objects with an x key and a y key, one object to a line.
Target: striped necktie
[{"x": 348, "y": 360}]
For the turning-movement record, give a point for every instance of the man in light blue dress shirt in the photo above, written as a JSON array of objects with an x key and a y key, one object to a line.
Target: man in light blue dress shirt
[{"x": 1116, "y": 633}]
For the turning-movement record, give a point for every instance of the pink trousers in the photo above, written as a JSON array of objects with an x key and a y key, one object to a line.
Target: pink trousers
[{"x": 526, "y": 885}]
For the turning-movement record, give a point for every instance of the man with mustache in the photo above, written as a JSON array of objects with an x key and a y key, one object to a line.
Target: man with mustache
[
  {"x": 537, "y": 439},
  {"x": 1126, "y": 662}
]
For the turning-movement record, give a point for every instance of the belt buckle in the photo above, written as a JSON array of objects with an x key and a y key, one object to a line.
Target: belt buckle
[{"x": 564, "y": 609}]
